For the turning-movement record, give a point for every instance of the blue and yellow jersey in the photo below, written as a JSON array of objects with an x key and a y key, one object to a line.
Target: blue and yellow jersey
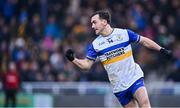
[{"x": 115, "y": 53}]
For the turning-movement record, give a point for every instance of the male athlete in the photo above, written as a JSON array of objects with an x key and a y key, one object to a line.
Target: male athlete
[{"x": 113, "y": 48}]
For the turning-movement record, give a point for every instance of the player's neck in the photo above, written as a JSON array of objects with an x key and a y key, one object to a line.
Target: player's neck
[{"x": 107, "y": 31}]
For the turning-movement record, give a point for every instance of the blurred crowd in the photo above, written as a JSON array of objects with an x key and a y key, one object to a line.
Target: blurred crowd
[{"x": 34, "y": 34}]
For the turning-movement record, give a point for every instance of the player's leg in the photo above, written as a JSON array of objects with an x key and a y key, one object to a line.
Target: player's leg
[
  {"x": 142, "y": 97},
  {"x": 132, "y": 104},
  {"x": 126, "y": 99}
]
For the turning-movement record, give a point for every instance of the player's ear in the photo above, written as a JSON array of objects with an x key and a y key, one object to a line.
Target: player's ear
[{"x": 104, "y": 21}]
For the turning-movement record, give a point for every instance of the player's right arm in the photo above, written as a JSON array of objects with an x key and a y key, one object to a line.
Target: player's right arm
[{"x": 81, "y": 63}]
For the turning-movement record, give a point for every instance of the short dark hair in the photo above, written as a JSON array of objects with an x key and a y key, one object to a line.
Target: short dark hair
[{"x": 103, "y": 14}]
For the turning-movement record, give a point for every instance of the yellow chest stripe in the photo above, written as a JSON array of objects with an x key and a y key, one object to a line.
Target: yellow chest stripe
[{"x": 118, "y": 58}]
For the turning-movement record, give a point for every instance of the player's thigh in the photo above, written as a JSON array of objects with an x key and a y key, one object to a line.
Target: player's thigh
[
  {"x": 142, "y": 96},
  {"x": 131, "y": 104}
]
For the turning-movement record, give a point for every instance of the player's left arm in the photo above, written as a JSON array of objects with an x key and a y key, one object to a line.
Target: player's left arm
[
  {"x": 149, "y": 43},
  {"x": 134, "y": 37},
  {"x": 153, "y": 45}
]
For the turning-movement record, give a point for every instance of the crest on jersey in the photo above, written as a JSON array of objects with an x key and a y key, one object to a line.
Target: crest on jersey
[{"x": 119, "y": 38}]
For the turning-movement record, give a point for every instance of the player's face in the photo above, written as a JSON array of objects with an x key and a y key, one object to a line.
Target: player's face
[{"x": 98, "y": 24}]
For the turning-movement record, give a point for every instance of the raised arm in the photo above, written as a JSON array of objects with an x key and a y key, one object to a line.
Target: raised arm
[
  {"x": 149, "y": 43},
  {"x": 153, "y": 45},
  {"x": 81, "y": 63}
]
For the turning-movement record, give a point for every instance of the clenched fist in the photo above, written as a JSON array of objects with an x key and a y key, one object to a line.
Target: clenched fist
[{"x": 70, "y": 55}]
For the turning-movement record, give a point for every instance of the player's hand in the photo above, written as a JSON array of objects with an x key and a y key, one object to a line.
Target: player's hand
[
  {"x": 70, "y": 54},
  {"x": 166, "y": 53}
]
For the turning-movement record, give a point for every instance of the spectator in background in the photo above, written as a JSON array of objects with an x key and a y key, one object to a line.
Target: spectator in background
[
  {"x": 52, "y": 29},
  {"x": 138, "y": 15},
  {"x": 11, "y": 84},
  {"x": 9, "y": 9}
]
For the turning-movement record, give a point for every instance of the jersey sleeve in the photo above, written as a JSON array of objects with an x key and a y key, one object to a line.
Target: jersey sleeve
[
  {"x": 91, "y": 53},
  {"x": 133, "y": 37}
]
